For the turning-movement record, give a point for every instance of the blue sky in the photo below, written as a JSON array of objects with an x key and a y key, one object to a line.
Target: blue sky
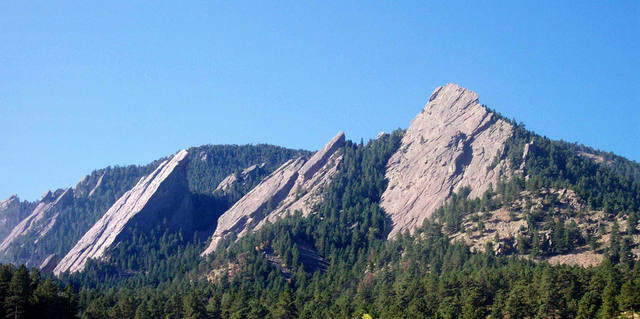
[{"x": 86, "y": 85}]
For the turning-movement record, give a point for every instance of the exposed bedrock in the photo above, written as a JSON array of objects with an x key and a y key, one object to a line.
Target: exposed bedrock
[
  {"x": 163, "y": 194},
  {"x": 450, "y": 144},
  {"x": 295, "y": 186}
]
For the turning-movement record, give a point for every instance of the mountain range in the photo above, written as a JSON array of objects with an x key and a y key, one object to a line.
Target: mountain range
[{"x": 226, "y": 213}]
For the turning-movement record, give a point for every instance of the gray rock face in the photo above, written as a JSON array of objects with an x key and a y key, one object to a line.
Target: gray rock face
[
  {"x": 12, "y": 212},
  {"x": 450, "y": 144},
  {"x": 36, "y": 236},
  {"x": 230, "y": 180},
  {"x": 41, "y": 219},
  {"x": 163, "y": 193},
  {"x": 294, "y": 186}
]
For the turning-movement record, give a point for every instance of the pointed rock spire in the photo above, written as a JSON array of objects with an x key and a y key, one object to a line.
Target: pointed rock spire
[{"x": 449, "y": 145}]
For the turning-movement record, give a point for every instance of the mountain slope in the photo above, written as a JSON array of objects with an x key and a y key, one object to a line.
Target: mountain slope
[{"x": 455, "y": 217}]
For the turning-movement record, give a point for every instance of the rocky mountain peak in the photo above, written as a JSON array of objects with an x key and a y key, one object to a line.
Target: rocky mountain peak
[
  {"x": 320, "y": 157},
  {"x": 450, "y": 144},
  {"x": 164, "y": 191}
]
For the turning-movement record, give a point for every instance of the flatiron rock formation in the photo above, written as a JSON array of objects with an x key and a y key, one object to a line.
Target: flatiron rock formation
[
  {"x": 295, "y": 186},
  {"x": 163, "y": 193},
  {"x": 12, "y": 212},
  {"x": 40, "y": 221},
  {"x": 450, "y": 144}
]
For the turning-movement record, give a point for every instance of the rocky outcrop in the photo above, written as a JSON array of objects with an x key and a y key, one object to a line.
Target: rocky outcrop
[
  {"x": 12, "y": 212},
  {"x": 316, "y": 173},
  {"x": 161, "y": 194},
  {"x": 227, "y": 183},
  {"x": 295, "y": 186},
  {"x": 49, "y": 263},
  {"x": 452, "y": 143},
  {"x": 38, "y": 235},
  {"x": 35, "y": 226}
]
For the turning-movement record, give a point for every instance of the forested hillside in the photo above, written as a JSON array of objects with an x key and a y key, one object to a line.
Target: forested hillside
[
  {"x": 553, "y": 233},
  {"x": 337, "y": 263}
]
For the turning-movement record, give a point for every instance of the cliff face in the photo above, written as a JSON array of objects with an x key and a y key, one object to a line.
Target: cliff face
[
  {"x": 294, "y": 186},
  {"x": 39, "y": 222},
  {"x": 12, "y": 212},
  {"x": 52, "y": 225},
  {"x": 163, "y": 193},
  {"x": 450, "y": 144}
]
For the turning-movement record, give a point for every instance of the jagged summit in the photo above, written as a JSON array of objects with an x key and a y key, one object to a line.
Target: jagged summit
[{"x": 449, "y": 144}]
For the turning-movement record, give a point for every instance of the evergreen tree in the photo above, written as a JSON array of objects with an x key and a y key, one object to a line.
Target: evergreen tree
[
  {"x": 285, "y": 309},
  {"x": 17, "y": 300}
]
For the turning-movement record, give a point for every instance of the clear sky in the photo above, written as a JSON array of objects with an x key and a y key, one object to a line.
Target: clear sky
[{"x": 86, "y": 85}]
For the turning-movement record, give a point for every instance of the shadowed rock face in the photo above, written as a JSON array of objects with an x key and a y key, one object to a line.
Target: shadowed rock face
[
  {"x": 163, "y": 193},
  {"x": 294, "y": 186},
  {"x": 49, "y": 263},
  {"x": 449, "y": 145}
]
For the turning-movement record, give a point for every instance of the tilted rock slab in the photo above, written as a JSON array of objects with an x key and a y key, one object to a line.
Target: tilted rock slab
[
  {"x": 157, "y": 193},
  {"x": 41, "y": 219},
  {"x": 295, "y": 186},
  {"x": 450, "y": 144},
  {"x": 12, "y": 212}
]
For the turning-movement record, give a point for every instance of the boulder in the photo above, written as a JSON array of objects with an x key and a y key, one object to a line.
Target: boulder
[
  {"x": 49, "y": 263},
  {"x": 227, "y": 183}
]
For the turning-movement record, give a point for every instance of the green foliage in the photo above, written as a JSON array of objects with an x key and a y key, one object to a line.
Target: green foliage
[
  {"x": 611, "y": 187},
  {"x": 75, "y": 219},
  {"x": 337, "y": 262},
  {"x": 210, "y": 164},
  {"x": 24, "y": 294}
]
